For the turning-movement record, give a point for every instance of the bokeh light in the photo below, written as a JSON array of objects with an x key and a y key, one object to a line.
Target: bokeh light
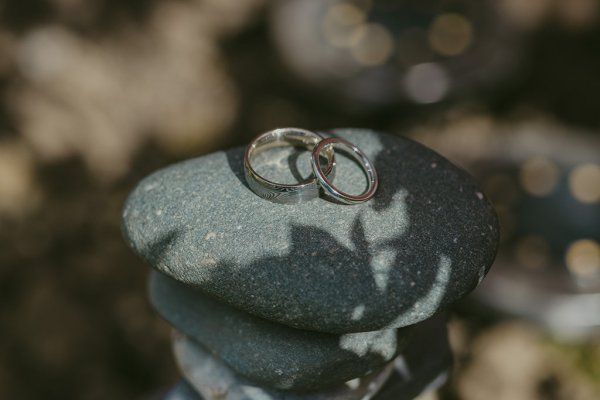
[
  {"x": 584, "y": 182},
  {"x": 539, "y": 176},
  {"x": 583, "y": 258},
  {"x": 351, "y": 50},
  {"x": 450, "y": 34},
  {"x": 426, "y": 83},
  {"x": 341, "y": 24},
  {"x": 373, "y": 45}
]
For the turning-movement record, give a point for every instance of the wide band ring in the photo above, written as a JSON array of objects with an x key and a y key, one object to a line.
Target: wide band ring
[
  {"x": 280, "y": 192},
  {"x": 356, "y": 153}
]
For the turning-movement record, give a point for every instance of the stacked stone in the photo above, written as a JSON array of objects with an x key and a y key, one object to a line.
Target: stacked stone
[{"x": 316, "y": 300}]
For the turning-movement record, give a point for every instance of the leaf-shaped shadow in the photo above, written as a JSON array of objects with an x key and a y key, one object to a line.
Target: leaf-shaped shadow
[
  {"x": 309, "y": 289},
  {"x": 361, "y": 276}
]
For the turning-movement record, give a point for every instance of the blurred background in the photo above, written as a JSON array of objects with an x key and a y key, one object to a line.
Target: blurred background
[{"x": 96, "y": 94}]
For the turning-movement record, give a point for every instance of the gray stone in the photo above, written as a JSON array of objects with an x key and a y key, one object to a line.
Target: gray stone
[
  {"x": 269, "y": 353},
  {"x": 421, "y": 367},
  {"x": 425, "y": 240},
  {"x": 213, "y": 379}
]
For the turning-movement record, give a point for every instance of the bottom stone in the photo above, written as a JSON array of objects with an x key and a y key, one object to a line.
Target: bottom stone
[
  {"x": 213, "y": 379},
  {"x": 268, "y": 353},
  {"x": 421, "y": 367}
]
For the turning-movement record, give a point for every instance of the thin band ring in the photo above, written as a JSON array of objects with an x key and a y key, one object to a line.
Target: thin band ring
[
  {"x": 280, "y": 192},
  {"x": 358, "y": 155}
]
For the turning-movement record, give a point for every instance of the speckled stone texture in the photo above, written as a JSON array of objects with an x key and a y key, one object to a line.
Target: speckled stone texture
[
  {"x": 422, "y": 366},
  {"x": 426, "y": 239},
  {"x": 213, "y": 379},
  {"x": 269, "y": 353}
]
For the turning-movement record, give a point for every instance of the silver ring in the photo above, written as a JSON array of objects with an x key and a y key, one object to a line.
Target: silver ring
[
  {"x": 280, "y": 192},
  {"x": 358, "y": 155}
]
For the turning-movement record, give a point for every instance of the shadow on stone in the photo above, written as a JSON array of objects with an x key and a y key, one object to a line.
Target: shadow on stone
[
  {"x": 425, "y": 240},
  {"x": 269, "y": 353}
]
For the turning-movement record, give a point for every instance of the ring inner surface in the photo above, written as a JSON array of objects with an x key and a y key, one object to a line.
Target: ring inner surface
[
  {"x": 285, "y": 165},
  {"x": 351, "y": 176}
]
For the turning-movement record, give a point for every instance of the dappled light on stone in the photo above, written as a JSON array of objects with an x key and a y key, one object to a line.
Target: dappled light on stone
[
  {"x": 431, "y": 300},
  {"x": 356, "y": 343},
  {"x": 425, "y": 239},
  {"x": 270, "y": 353},
  {"x": 211, "y": 377}
]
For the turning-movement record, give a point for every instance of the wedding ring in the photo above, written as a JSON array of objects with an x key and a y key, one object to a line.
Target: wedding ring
[
  {"x": 280, "y": 192},
  {"x": 356, "y": 153}
]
